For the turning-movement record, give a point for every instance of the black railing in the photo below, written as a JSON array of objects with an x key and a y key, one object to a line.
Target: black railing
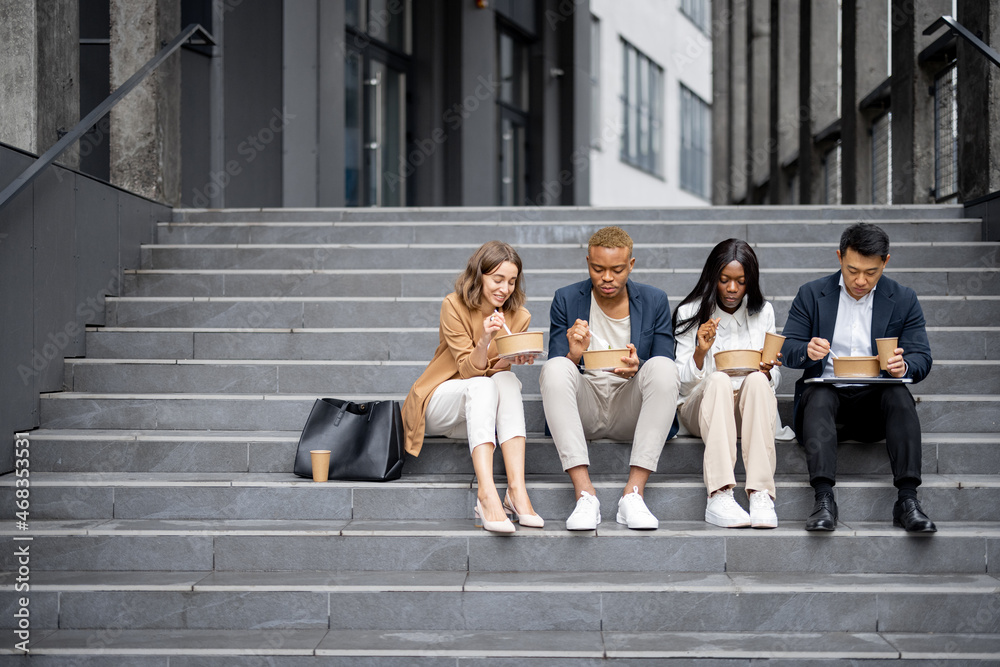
[
  {"x": 963, "y": 32},
  {"x": 88, "y": 121}
]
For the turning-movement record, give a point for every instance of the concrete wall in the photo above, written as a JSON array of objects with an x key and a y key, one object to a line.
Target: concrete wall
[
  {"x": 978, "y": 92},
  {"x": 64, "y": 242},
  {"x": 684, "y": 52},
  {"x": 39, "y": 36},
  {"x": 145, "y": 125}
]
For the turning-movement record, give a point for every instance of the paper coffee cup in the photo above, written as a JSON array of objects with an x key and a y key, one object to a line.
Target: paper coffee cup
[
  {"x": 772, "y": 346},
  {"x": 886, "y": 346},
  {"x": 320, "y": 464}
]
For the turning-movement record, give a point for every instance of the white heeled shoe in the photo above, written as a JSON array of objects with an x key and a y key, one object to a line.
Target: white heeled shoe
[
  {"x": 504, "y": 526},
  {"x": 530, "y": 520}
]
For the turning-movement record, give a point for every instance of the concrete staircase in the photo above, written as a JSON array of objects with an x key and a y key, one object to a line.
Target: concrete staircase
[{"x": 167, "y": 528}]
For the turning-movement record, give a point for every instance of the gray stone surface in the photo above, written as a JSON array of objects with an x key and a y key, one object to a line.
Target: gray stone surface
[
  {"x": 480, "y": 644},
  {"x": 165, "y": 642},
  {"x": 193, "y": 611},
  {"x": 341, "y": 553},
  {"x": 322, "y": 501},
  {"x": 751, "y": 645},
  {"x": 120, "y": 552}
]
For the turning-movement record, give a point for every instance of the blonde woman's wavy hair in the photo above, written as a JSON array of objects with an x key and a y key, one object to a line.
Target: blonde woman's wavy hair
[{"x": 490, "y": 255}]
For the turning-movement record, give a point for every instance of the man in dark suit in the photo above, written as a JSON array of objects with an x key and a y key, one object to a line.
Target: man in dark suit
[
  {"x": 842, "y": 315},
  {"x": 634, "y": 401}
]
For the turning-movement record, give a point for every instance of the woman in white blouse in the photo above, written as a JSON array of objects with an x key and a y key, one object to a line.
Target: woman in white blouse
[{"x": 727, "y": 311}]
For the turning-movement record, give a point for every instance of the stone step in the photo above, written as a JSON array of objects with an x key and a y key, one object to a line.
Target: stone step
[
  {"x": 273, "y": 496},
  {"x": 297, "y": 647},
  {"x": 383, "y": 344},
  {"x": 86, "y": 450},
  {"x": 287, "y": 412},
  {"x": 539, "y": 282},
  {"x": 311, "y": 312},
  {"x": 559, "y": 601},
  {"x": 325, "y": 376},
  {"x": 554, "y": 215},
  {"x": 457, "y": 545},
  {"x": 375, "y": 257},
  {"x": 805, "y": 230}
]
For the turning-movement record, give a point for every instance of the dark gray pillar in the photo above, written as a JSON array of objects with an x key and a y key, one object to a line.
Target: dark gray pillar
[
  {"x": 574, "y": 107},
  {"x": 871, "y": 69},
  {"x": 427, "y": 158},
  {"x": 789, "y": 114},
  {"x": 477, "y": 101},
  {"x": 823, "y": 89},
  {"x": 145, "y": 126},
  {"x": 39, "y": 80},
  {"x": 978, "y": 110},
  {"x": 849, "y": 120},
  {"x": 300, "y": 155},
  {"x": 775, "y": 184},
  {"x": 330, "y": 181},
  {"x": 739, "y": 68},
  {"x": 806, "y": 152},
  {"x": 722, "y": 83},
  {"x": 912, "y": 106}
]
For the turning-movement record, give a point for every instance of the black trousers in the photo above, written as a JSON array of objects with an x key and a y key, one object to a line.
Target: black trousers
[{"x": 867, "y": 413}]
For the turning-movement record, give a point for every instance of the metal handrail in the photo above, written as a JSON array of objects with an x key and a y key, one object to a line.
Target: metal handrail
[
  {"x": 962, "y": 31},
  {"x": 88, "y": 121}
]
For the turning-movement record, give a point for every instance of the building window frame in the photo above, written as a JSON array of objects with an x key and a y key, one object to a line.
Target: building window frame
[
  {"x": 881, "y": 133},
  {"x": 699, "y": 12},
  {"x": 595, "y": 82},
  {"x": 695, "y": 144},
  {"x": 946, "y": 134},
  {"x": 642, "y": 106}
]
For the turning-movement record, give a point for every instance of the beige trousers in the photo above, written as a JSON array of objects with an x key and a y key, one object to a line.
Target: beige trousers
[
  {"x": 578, "y": 407},
  {"x": 715, "y": 413}
]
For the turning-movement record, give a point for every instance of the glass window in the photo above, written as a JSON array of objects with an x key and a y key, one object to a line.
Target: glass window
[
  {"x": 882, "y": 159},
  {"x": 642, "y": 111},
  {"x": 696, "y": 144},
  {"x": 946, "y": 134},
  {"x": 699, "y": 11},
  {"x": 387, "y": 21}
]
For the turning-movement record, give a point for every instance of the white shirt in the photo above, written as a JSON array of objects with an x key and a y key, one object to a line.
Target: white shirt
[
  {"x": 852, "y": 335},
  {"x": 739, "y": 331},
  {"x": 615, "y": 333}
]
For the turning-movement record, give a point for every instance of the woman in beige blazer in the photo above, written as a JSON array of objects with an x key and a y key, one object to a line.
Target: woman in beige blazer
[{"x": 467, "y": 390}]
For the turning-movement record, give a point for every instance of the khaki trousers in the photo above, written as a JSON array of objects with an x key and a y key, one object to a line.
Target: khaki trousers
[
  {"x": 714, "y": 413},
  {"x": 579, "y": 407}
]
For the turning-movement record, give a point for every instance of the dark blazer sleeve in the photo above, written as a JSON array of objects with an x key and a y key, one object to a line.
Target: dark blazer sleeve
[
  {"x": 801, "y": 326},
  {"x": 912, "y": 333},
  {"x": 662, "y": 331},
  {"x": 558, "y": 324}
]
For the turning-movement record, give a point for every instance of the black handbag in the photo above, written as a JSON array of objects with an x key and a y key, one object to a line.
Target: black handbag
[{"x": 365, "y": 439}]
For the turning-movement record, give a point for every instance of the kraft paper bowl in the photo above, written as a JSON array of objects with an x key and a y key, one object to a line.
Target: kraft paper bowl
[
  {"x": 526, "y": 341},
  {"x": 596, "y": 360},
  {"x": 856, "y": 367},
  {"x": 737, "y": 360}
]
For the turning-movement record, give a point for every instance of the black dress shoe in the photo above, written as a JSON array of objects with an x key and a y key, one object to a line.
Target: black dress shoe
[
  {"x": 824, "y": 514},
  {"x": 907, "y": 514}
]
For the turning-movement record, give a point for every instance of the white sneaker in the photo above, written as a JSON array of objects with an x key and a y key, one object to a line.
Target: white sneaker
[
  {"x": 723, "y": 510},
  {"x": 632, "y": 512},
  {"x": 586, "y": 515},
  {"x": 762, "y": 510}
]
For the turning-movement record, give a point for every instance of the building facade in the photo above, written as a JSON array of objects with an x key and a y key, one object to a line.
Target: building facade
[
  {"x": 850, "y": 102},
  {"x": 651, "y": 114}
]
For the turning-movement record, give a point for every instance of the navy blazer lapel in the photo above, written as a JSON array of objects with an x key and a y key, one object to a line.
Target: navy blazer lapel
[
  {"x": 634, "y": 311},
  {"x": 829, "y": 302},
  {"x": 583, "y": 305},
  {"x": 881, "y": 311}
]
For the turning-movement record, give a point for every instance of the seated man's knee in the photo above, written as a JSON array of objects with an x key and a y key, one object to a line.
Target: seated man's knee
[
  {"x": 661, "y": 370},
  {"x": 820, "y": 397},
  {"x": 558, "y": 369}
]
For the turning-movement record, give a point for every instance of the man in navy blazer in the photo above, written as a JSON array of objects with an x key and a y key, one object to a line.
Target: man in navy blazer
[
  {"x": 842, "y": 315},
  {"x": 635, "y": 400}
]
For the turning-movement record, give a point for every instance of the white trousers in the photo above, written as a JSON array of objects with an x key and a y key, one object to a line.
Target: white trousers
[{"x": 484, "y": 409}]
